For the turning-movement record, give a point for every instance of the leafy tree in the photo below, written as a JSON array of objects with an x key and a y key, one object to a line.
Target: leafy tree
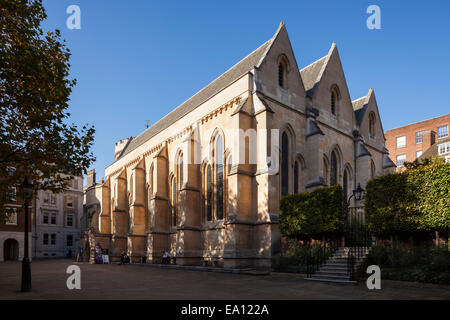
[{"x": 36, "y": 137}]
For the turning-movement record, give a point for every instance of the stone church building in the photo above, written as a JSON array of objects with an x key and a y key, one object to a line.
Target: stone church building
[{"x": 205, "y": 181}]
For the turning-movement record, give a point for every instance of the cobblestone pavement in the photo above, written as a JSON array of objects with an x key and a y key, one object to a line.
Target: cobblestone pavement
[{"x": 142, "y": 282}]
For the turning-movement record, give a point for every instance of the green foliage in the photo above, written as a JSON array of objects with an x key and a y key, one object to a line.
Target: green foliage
[
  {"x": 314, "y": 213},
  {"x": 417, "y": 264},
  {"x": 296, "y": 257},
  {"x": 414, "y": 200},
  {"x": 36, "y": 137}
]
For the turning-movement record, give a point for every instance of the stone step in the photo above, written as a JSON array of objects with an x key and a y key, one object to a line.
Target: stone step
[
  {"x": 331, "y": 276},
  {"x": 334, "y": 268},
  {"x": 331, "y": 273},
  {"x": 331, "y": 280}
]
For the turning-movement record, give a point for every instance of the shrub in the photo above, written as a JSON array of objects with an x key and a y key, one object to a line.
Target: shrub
[
  {"x": 313, "y": 213},
  {"x": 411, "y": 201},
  {"x": 296, "y": 257},
  {"x": 417, "y": 264}
]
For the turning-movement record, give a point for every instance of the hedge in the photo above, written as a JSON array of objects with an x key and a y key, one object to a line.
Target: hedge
[
  {"x": 313, "y": 213},
  {"x": 412, "y": 201}
]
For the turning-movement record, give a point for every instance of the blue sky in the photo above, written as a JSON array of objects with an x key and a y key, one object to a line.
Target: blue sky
[{"x": 138, "y": 60}]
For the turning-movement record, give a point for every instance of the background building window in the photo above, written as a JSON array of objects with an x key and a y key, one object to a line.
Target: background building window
[
  {"x": 11, "y": 218},
  {"x": 53, "y": 218},
  {"x": 419, "y": 137},
  {"x": 69, "y": 221},
  {"x": 69, "y": 242},
  {"x": 69, "y": 201},
  {"x": 444, "y": 148},
  {"x": 419, "y": 153},
  {"x": 401, "y": 142},
  {"x": 401, "y": 159},
  {"x": 45, "y": 239},
  {"x": 45, "y": 218},
  {"x": 53, "y": 239},
  {"x": 442, "y": 132}
]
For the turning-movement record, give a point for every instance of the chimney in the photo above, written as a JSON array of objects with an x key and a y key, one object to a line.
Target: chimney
[{"x": 91, "y": 178}]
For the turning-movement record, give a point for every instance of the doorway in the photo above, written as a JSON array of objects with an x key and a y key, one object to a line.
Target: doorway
[{"x": 11, "y": 250}]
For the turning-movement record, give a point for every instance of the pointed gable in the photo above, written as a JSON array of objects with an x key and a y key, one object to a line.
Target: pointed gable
[
  {"x": 323, "y": 77},
  {"x": 267, "y": 79}
]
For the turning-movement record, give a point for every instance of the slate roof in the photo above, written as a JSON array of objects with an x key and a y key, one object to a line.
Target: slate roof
[
  {"x": 242, "y": 67},
  {"x": 310, "y": 74},
  {"x": 360, "y": 107}
]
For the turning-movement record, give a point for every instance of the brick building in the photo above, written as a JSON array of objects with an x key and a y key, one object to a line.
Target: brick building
[
  {"x": 12, "y": 229},
  {"x": 409, "y": 142}
]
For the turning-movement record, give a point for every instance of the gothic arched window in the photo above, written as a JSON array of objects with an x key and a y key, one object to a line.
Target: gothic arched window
[
  {"x": 345, "y": 185},
  {"x": 334, "y": 99},
  {"x": 372, "y": 169},
  {"x": 208, "y": 196},
  {"x": 284, "y": 164},
  {"x": 174, "y": 201},
  {"x": 296, "y": 176},
  {"x": 333, "y": 169},
  {"x": 282, "y": 71},
  {"x": 372, "y": 125},
  {"x": 281, "y": 75},
  {"x": 219, "y": 178},
  {"x": 325, "y": 170},
  {"x": 180, "y": 169}
]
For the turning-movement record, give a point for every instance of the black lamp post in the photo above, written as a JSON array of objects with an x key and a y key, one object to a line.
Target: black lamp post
[
  {"x": 26, "y": 190},
  {"x": 358, "y": 193}
]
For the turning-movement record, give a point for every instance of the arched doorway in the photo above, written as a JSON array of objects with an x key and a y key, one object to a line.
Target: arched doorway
[{"x": 11, "y": 250}]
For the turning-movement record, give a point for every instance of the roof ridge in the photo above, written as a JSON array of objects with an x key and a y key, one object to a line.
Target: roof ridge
[{"x": 210, "y": 83}]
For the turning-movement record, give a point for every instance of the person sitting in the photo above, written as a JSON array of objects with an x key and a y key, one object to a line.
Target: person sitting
[
  {"x": 166, "y": 258},
  {"x": 124, "y": 258}
]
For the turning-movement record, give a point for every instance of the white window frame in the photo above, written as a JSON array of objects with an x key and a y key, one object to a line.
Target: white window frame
[
  {"x": 441, "y": 127},
  {"x": 419, "y": 134},
  {"x": 446, "y": 148},
  {"x": 8, "y": 221},
  {"x": 403, "y": 163},
  {"x": 403, "y": 145}
]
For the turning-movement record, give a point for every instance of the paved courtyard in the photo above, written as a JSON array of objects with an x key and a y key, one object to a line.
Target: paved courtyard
[{"x": 143, "y": 282}]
